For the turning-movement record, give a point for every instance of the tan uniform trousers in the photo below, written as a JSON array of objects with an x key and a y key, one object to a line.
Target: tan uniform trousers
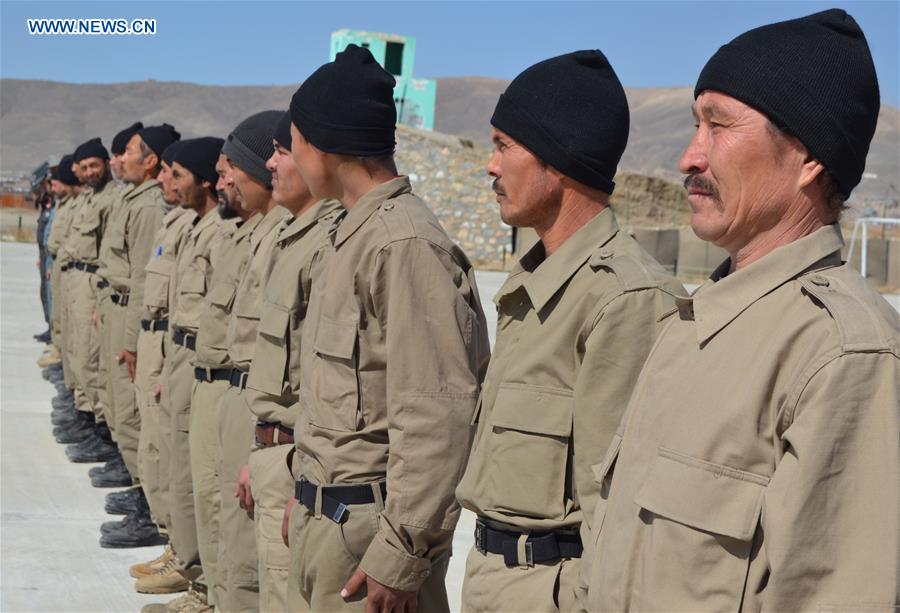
[
  {"x": 59, "y": 316},
  {"x": 237, "y": 571},
  {"x": 151, "y": 353},
  {"x": 177, "y": 382},
  {"x": 121, "y": 390},
  {"x": 103, "y": 308},
  {"x": 83, "y": 344},
  {"x": 206, "y": 404},
  {"x": 325, "y": 554},
  {"x": 489, "y": 585},
  {"x": 272, "y": 486}
]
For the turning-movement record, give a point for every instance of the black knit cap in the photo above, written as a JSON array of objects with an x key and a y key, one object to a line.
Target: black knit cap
[
  {"x": 159, "y": 137},
  {"x": 813, "y": 77},
  {"x": 199, "y": 155},
  {"x": 571, "y": 112},
  {"x": 249, "y": 146},
  {"x": 347, "y": 106},
  {"x": 91, "y": 149},
  {"x": 169, "y": 154},
  {"x": 120, "y": 140},
  {"x": 283, "y": 131},
  {"x": 63, "y": 172}
]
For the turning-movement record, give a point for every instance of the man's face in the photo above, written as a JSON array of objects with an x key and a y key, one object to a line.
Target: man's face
[
  {"x": 94, "y": 170},
  {"x": 188, "y": 191},
  {"x": 311, "y": 164},
  {"x": 253, "y": 195},
  {"x": 225, "y": 185},
  {"x": 528, "y": 194},
  {"x": 740, "y": 177},
  {"x": 116, "y": 166},
  {"x": 168, "y": 184},
  {"x": 133, "y": 161},
  {"x": 59, "y": 189},
  {"x": 288, "y": 188}
]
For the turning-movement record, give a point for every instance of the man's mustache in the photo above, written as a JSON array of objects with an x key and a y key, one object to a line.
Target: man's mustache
[{"x": 698, "y": 183}]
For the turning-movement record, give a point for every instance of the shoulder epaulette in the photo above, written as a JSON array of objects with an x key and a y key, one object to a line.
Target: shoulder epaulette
[{"x": 629, "y": 270}]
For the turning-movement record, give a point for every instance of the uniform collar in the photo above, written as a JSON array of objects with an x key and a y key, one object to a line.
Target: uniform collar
[
  {"x": 367, "y": 205},
  {"x": 268, "y": 222},
  {"x": 308, "y": 218},
  {"x": 132, "y": 192},
  {"x": 210, "y": 219},
  {"x": 723, "y": 297},
  {"x": 245, "y": 227},
  {"x": 542, "y": 277}
]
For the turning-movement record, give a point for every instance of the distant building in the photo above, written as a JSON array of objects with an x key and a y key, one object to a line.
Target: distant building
[{"x": 415, "y": 98}]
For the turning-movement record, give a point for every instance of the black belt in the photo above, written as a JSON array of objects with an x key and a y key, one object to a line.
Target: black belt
[
  {"x": 64, "y": 267},
  {"x": 91, "y": 268},
  {"x": 540, "y": 546},
  {"x": 212, "y": 374},
  {"x": 102, "y": 284},
  {"x": 238, "y": 378},
  {"x": 185, "y": 338},
  {"x": 335, "y": 498},
  {"x": 120, "y": 298},
  {"x": 152, "y": 325}
]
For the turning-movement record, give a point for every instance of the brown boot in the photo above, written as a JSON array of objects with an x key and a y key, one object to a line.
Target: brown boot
[
  {"x": 192, "y": 602},
  {"x": 164, "y": 580},
  {"x": 51, "y": 356},
  {"x": 143, "y": 569}
]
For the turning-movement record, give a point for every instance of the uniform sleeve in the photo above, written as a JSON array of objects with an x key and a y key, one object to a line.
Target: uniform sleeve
[
  {"x": 614, "y": 353},
  {"x": 421, "y": 298},
  {"x": 145, "y": 222},
  {"x": 830, "y": 513}
]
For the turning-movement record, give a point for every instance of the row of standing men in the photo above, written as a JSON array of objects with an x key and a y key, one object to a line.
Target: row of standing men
[{"x": 291, "y": 356}]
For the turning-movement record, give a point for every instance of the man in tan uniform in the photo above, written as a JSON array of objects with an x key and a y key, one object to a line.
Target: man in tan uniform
[
  {"x": 757, "y": 466},
  {"x": 130, "y": 246},
  {"x": 212, "y": 371},
  {"x": 274, "y": 382},
  {"x": 83, "y": 250},
  {"x": 194, "y": 174},
  {"x": 392, "y": 370},
  {"x": 153, "y": 345},
  {"x": 248, "y": 147},
  {"x": 576, "y": 319},
  {"x": 71, "y": 425}
]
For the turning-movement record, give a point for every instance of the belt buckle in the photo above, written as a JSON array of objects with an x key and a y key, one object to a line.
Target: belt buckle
[
  {"x": 480, "y": 538},
  {"x": 242, "y": 380},
  {"x": 339, "y": 513},
  {"x": 529, "y": 554}
]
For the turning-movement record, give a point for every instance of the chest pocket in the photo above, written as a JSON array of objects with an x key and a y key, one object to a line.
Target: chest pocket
[
  {"x": 531, "y": 428},
  {"x": 269, "y": 372},
  {"x": 702, "y": 517},
  {"x": 87, "y": 239},
  {"x": 192, "y": 282},
  {"x": 156, "y": 284},
  {"x": 222, "y": 296},
  {"x": 115, "y": 237},
  {"x": 334, "y": 375}
]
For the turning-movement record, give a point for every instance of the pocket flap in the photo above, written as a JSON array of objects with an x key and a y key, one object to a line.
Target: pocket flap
[
  {"x": 528, "y": 408},
  {"x": 274, "y": 320},
  {"x": 90, "y": 225},
  {"x": 602, "y": 469},
  {"x": 706, "y": 496},
  {"x": 192, "y": 282},
  {"x": 116, "y": 238},
  {"x": 159, "y": 265},
  {"x": 336, "y": 338},
  {"x": 222, "y": 294}
]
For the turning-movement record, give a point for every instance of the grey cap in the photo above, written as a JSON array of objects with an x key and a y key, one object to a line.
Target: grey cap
[{"x": 249, "y": 146}]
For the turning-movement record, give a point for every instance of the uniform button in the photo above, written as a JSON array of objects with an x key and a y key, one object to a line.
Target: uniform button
[
  {"x": 388, "y": 206},
  {"x": 605, "y": 254},
  {"x": 819, "y": 280}
]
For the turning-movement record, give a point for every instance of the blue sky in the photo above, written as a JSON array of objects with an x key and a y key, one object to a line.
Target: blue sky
[{"x": 650, "y": 44}]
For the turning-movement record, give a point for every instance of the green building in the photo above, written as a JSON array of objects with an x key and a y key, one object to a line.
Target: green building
[{"x": 415, "y": 98}]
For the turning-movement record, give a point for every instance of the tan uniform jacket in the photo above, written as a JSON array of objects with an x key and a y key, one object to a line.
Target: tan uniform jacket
[
  {"x": 275, "y": 371},
  {"x": 76, "y": 204},
  {"x": 115, "y": 224},
  {"x": 212, "y": 346},
  {"x": 130, "y": 244},
  {"x": 242, "y": 324},
  {"x": 757, "y": 465},
  {"x": 90, "y": 223},
  {"x": 167, "y": 244},
  {"x": 390, "y": 374},
  {"x": 193, "y": 270},
  {"x": 573, "y": 332},
  {"x": 61, "y": 224}
]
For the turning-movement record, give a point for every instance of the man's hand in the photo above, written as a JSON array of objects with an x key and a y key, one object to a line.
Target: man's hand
[
  {"x": 381, "y": 598},
  {"x": 130, "y": 359},
  {"x": 286, "y": 520},
  {"x": 95, "y": 319},
  {"x": 242, "y": 490},
  {"x": 157, "y": 391}
]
